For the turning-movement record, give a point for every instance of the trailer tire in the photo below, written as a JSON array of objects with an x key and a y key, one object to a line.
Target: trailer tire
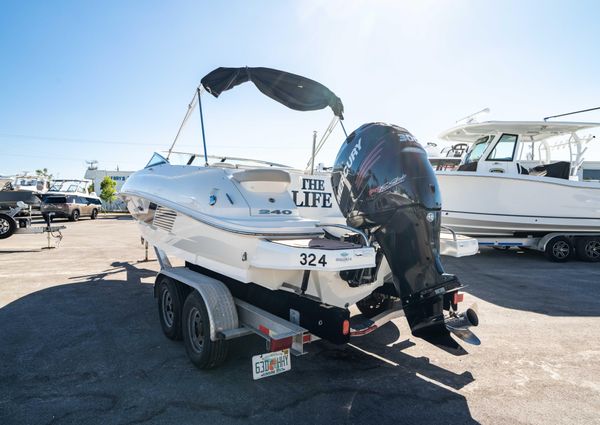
[
  {"x": 8, "y": 225},
  {"x": 559, "y": 249},
  {"x": 201, "y": 350},
  {"x": 588, "y": 248},
  {"x": 170, "y": 305}
]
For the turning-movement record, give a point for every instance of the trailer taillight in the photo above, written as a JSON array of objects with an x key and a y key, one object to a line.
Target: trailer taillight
[
  {"x": 280, "y": 344},
  {"x": 346, "y": 327},
  {"x": 457, "y": 297}
]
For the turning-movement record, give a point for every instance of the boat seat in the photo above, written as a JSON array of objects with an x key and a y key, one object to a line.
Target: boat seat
[
  {"x": 557, "y": 170},
  {"x": 262, "y": 176}
]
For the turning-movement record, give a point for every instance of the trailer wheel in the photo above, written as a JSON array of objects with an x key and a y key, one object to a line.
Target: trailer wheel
[
  {"x": 559, "y": 249},
  {"x": 201, "y": 350},
  {"x": 8, "y": 225},
  {"x": 170, "y": 305},
  {"x": 588, "y": 248}
]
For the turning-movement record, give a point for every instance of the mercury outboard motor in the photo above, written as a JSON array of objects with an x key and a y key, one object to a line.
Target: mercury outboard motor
[{"x": 385, "y": 186}]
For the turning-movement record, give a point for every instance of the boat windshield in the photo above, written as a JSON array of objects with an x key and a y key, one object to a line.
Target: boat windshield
[
  {"x": 69, "y": 186},
  {"x": 27, "y": 182},
  {"x": 156, "y": 159},
  {"x": 478, "y": 149}
]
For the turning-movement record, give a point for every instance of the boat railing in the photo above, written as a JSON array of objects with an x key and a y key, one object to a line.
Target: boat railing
[
  {"x": 191, "y": 157},
  {"x": 449, "y": 230}
]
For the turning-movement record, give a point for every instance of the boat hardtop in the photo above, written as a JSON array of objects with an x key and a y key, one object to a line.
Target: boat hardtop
[{"x": 532, "y": 130}]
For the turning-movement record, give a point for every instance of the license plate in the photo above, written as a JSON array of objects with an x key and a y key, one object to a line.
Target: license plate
[{"x": 270, "y": 364}]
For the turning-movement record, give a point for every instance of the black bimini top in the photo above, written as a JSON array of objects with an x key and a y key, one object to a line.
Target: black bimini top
[{"x": 293, "y": 91}]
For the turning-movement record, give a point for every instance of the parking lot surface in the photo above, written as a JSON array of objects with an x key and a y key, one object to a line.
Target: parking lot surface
[{"x": 80, "y": 342}]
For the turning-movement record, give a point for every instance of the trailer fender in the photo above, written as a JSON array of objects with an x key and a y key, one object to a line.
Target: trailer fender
[
  {"x": 221, "y": 307},
  {"x": 546, "y": 238}
]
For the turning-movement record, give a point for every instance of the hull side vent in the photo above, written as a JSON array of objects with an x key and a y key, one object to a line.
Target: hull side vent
[{"x": 164, "y": 218}]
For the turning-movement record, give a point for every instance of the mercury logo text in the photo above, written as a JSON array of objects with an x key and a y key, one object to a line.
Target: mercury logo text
[{"x": 351, "y": 158}]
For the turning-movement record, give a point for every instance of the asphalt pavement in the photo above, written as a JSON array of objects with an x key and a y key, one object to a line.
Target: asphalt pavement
[{"x": 80, "y": 342}]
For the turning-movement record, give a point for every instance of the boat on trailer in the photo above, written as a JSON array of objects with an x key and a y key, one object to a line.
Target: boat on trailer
[
  {"x": 519, "y": 184},
  {"x": 25, "y": 188},
  {"x": 301, "y": 245}
]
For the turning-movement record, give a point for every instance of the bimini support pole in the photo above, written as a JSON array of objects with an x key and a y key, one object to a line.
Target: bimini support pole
[
  {"x": 202, "y": 125},
  {"x": 344, "y": 128},
  {"x": 188, "y": 113},
  {"x": 312, "y": 158},
  {"x": 324, "y": 137}
]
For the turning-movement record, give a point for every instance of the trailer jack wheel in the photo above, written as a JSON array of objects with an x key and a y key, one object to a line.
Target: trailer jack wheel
[
  {"x": 201, "y": 350},
  {"x": 559, "y": 249}
]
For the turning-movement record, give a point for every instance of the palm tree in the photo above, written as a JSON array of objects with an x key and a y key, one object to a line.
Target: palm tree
[{"x": 43, "y": 173}]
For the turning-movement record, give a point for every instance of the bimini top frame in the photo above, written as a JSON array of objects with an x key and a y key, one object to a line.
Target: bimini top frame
[{"x": 294, "y": 91}]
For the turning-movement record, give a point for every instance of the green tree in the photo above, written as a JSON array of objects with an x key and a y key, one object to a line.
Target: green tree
[
  {"x": 108, "y": 191},
  {"x": 91, "y": 188},
  {"x": 43, "y": 172}
]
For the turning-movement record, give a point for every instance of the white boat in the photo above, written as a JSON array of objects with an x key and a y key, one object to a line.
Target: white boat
[
  {"x": 71, "y": 186},
  {"x": 25, "y": 188},
  {"x": 278, "y": 237},
  {"x": 510, "y": 183},
  {"x": 6, "y": 180},
  {"x": 32, "y": 183}
]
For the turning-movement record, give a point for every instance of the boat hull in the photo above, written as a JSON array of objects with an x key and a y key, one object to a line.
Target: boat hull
[
  {"x": 239, "y": 256},
  {"x": 477, "y": 205}
]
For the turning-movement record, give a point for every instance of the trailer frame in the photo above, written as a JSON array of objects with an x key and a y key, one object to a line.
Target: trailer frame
[
  {"x": 21, "y": 224},
  {"x": 557, "y": 246},
  {"x": 232, "y": 318}
]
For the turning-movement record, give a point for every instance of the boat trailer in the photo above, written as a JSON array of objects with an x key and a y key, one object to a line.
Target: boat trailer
[
  {"x": 202, "y": 311},
  {"x": 13, "y": 223}
]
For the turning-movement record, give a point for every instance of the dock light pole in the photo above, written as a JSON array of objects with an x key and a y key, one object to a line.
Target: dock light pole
[{"x": 202, "y": 125}]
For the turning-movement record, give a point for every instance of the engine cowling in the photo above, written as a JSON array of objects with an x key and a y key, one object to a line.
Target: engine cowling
[{"x": 384, "y": 184}]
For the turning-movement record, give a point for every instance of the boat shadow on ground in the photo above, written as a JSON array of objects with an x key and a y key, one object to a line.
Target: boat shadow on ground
[
  {"x": 92, "y": 351},
  {"x": 526, "y": 280}
]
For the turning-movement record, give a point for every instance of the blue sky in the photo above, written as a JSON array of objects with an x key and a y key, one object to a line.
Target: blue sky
[{"x": 111, "y": 80}]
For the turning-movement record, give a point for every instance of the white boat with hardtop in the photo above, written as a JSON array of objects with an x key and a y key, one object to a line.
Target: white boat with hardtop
[{"x": 522, "y": 180}]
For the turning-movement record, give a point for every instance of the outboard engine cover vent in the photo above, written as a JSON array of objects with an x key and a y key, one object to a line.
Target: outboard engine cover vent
[{"x": 384, "y": 184}]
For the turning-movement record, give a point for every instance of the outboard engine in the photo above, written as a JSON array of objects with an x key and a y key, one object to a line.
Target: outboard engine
[{"x": 385, "y": 186}]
